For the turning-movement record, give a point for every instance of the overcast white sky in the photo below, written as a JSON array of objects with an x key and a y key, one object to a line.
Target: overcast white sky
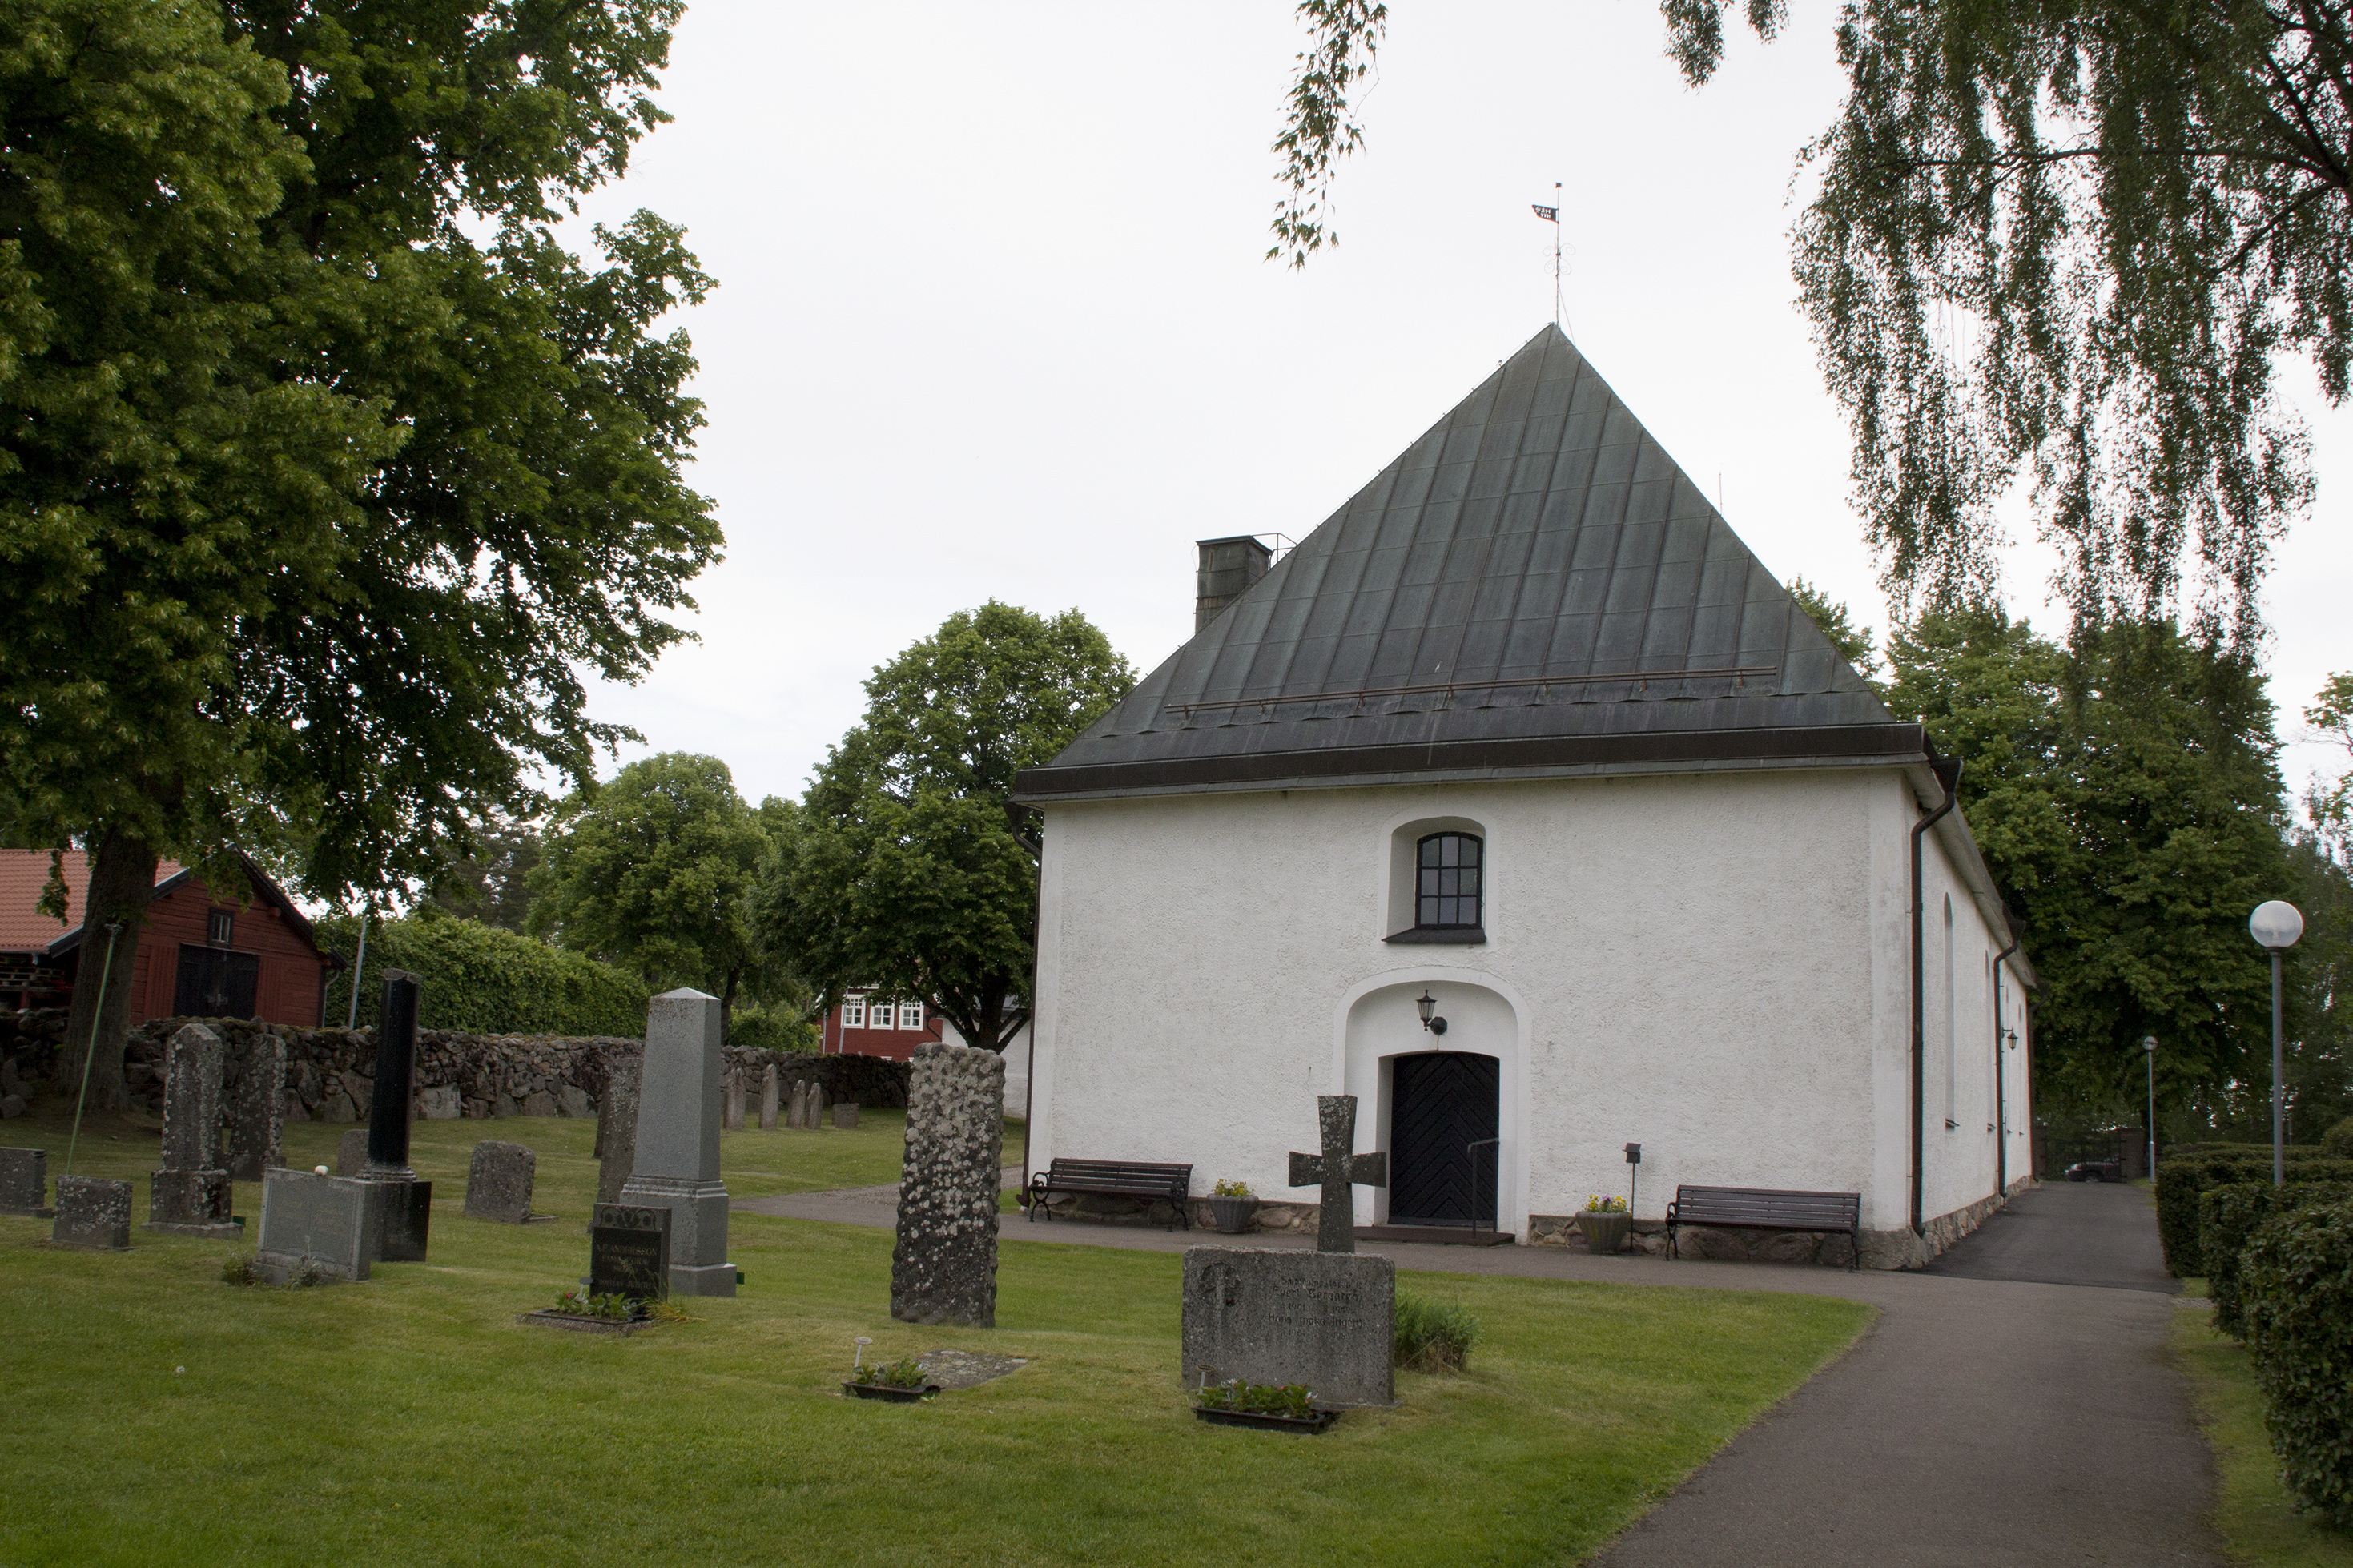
[{"x": 993, "y": 317}]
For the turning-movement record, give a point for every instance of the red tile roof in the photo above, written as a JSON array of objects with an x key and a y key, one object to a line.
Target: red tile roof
[{"x": 24, "y": 873}]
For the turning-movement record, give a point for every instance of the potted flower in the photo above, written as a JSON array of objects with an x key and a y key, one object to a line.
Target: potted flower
[
  {"x": 898, "y": 1382},
  {"x": 1233, "y": 1207},
  {"x": 1286, "y": 1407},
  {"x": 1606, "y": 1223}
]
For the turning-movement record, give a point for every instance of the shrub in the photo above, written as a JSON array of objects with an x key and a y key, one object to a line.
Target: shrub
[
  {"x": 761, "y": 1028},
  {"x": 2232, "y": 1214},
  {"x": 2183, "y": 1177},
  {"x": 1432, "y": 1336},
  {"x": 902, "y": 1374},
  {"x": 2338, "y": 1139},
  {"x": 485, "y": 981},
  {"x": 1291, "y": 1399},
  {"x": 2295, "y": 1282}
]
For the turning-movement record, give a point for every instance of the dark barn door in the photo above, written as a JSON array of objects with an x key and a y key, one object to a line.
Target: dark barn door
[
  {"x": 1443, "y": 1101},
  {"x": 215, "y": 984}
]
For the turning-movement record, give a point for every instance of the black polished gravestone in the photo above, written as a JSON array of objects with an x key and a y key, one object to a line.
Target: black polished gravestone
[
  {"x": 405, "y": 1210},
  {"x": 628, "y": 1252}
]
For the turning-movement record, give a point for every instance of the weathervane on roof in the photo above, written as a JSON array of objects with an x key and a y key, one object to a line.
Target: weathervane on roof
[{"x": 1551, "y": 214}]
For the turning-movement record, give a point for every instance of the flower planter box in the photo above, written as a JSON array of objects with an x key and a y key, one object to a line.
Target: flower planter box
[
  {"x": 579, "y": 1325},
  {"x": 1604, "y": 1232},
  {"x": 889, "y": 1395},
  {"x": 1267, "y": 1420},
  {"x": 1232, "y": 1216}
]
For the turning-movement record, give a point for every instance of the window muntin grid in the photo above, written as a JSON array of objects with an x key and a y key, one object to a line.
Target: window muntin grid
[
  {"x": 1449, "y": 881},
  {"x": 910, "y": 1014},
  {"x": 853, "y": 1013}
]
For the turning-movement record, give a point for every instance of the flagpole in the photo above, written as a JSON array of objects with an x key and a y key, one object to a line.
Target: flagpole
[{"x": 1551, "y": 214}]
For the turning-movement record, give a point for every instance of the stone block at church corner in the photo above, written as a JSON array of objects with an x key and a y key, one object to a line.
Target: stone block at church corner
[{"x": 1324, "y": 1320}]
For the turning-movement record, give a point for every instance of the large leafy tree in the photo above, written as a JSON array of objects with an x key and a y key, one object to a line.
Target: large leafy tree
[
  {"x": 912, "y": 869},
  {"x": 2066, "y": 239},
  {"x": 2124, "y": 793},
  {"x": 652, "y": 871},
  {"x": 327, "y": 476}
]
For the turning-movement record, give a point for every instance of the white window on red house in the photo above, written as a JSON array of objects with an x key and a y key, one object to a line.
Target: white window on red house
[
  {"x": 853, "y": 1013},
  {"x": 910, "y": 1014}
]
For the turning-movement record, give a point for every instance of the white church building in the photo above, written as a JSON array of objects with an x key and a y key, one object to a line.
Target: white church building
[{"x": 1524, "y": 737}]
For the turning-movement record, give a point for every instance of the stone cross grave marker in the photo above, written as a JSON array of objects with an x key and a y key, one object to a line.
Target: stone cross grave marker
[
  {"x": 628, "y": 1251},
  {"x": 189, "y": 1195},
  {"x": 24, "y": 1183},
  {"x": 497, "y": 1181},
  {"x": 329, "y": 1222},
  {"x": 1336, "y": 1170},
  {"x": 1320, "y": 1318},
  {"x": 944, "y": 1268},
  {"x": 768, "y": 1097},
  {"x": 93, "y": 1213},
  {"x": 677, "y": 1165},
  {"x": 404, "y": 1214},
  {"x": 617, "y": 1127}
]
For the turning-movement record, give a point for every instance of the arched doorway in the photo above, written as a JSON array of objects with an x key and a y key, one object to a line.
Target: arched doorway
[
  {"x": 1381, "y": 1028},
  {"x": 1444, "y": 1115}
]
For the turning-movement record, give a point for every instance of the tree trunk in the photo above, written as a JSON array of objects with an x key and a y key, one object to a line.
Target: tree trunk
[
  {"x": 727, "y": 1006},
  {"x": 122, "y": 881}
]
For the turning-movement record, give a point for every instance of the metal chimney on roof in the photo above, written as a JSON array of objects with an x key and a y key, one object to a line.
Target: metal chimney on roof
[{"x": 1229, "y": 567}]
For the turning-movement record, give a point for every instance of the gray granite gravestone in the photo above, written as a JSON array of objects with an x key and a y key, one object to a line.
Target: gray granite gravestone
[
  {"x": 253, "y": 1102},
  {"x": 24, "y": 1183},
  {"x": 735, "y": 1100},
  {"x": 404, "y": 1214},
  {"x": 845, "y": 1114},
  {"x": 943, "y": 1268},
  {"x": 768, "y": 1097},
  {"x": 617, "y": 1127},
  {"x": 189, "y": 1195},
  {"x": 1337, "y": 1171},
  {"x": 628, "y": 1251},
  {"x": 677, "y": 1140},
  {"x": 1322, "y": 1319},
  {"x": 92, "y": 1212},
  {"x": 329, "y": 1223},
  {"x": 497, "y": 1181},
  {"x": 350, "y": 1153}
]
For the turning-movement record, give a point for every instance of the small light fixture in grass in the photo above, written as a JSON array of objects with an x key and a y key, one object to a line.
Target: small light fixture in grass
[{"x": 1432, "y": 1336}]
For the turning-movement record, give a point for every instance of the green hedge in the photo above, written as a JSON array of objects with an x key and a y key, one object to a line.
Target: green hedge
[
  {"x": 484, "y": 980},
  {"x": 2229, "y": 1216},
  {"x": 2296, "y": 1284},
  {"x": 2338, "y": 1139},
  {"x": 2183, "y": 1177}
]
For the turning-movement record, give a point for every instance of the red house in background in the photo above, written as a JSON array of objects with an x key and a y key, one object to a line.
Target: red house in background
[
  {"x": 246, "y": 955},
  {"x": 862, "y": 1026}
]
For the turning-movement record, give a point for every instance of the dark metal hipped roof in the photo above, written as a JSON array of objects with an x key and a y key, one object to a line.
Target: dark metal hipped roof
[{"x": 1533, "y": 588}]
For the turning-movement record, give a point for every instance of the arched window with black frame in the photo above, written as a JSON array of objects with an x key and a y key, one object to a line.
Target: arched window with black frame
[{"x": 1449, "y": 881}]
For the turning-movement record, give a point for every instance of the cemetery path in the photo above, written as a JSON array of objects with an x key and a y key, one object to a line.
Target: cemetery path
[{"x": 2013, "y": 1406}]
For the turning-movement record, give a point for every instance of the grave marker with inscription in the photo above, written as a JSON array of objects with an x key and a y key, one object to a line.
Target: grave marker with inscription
[
  {"x": 404, "y": 1214},
  {"x": 24, "y": 1183},
  {"x": 189, "y": 1195},
  {"x": 768, "y": 1099},
  {"x": 1322, "y": 1319},
  {"x": 499, "y": 1179},
  {"x": 677, "y": 1165},
  {"x": 617, "y": 1127},
  {"x": 330, "y": 1222},
  {"x": 628, "y": 1252},
  {"x": 92, "y": 1212}
]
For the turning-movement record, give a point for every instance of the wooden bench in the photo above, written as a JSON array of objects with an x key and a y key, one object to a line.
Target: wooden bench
[
  {"x": 1115, "y": 1178},
  {"x": 1766, "y": 1208}
]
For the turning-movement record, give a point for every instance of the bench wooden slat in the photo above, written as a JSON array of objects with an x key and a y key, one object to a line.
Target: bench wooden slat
[
  {"x": 1126, "y": 1178},
  {"x": 1767, "y": 1208}
]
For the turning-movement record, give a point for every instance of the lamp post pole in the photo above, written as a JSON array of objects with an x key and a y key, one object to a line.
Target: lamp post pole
[
  {"x": 2149, "y": 1048},
  {"x": 2276, "y": 924}
]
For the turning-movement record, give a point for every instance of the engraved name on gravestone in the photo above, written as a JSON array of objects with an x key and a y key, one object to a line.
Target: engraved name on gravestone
[
  {"x": 628, "y": 1251},
  {"x": 24, "y": 1183},
  {"x": 1325, "y": 1319},
  {"x": 678, "y": 1140},
  {"x": 327, "y": 1221},
  {"x": 189, "y": 1195},
  {"x": 943, "y": 1268}
]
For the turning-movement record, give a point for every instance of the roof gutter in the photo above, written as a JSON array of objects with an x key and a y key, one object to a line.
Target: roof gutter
[{"x": 1948, "y": 777}]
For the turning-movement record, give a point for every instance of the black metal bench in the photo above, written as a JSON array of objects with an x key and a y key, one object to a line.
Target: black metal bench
[
  {"x": 1766, "y": 1208},
  {"x": 1114, "y": 1178}
]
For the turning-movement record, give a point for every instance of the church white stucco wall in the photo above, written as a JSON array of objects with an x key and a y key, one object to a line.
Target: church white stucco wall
[{"x": 1717, "y": 966}]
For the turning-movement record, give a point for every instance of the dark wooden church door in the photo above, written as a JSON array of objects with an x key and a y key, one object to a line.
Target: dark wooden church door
[
  {"x": 1441, "y": 1103},
  {"x": 215, "y": 984}
]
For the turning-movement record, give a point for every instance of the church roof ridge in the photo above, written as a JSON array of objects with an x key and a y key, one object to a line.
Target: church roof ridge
[{"x": 1531, "y": 587}]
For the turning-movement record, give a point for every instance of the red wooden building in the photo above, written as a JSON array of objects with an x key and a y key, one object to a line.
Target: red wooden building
[
  {"x": 247, "y": 954},
  {"x": 864, "y": 1026}
]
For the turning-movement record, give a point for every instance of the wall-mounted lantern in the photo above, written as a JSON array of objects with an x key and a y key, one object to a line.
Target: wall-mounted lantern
[{"x": 1427, "y": 1005}]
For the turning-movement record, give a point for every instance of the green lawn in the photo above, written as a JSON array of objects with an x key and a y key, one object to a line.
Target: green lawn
[
  {"x": 409, "y": 1420},
  {"x": 2257, "y": 1517}
]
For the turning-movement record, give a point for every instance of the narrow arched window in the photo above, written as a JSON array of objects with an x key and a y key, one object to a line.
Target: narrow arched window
[{"x": 1449, "y": 879}]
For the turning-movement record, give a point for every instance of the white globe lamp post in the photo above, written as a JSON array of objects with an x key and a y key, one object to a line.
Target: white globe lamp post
[{"x": 2276, "y": 924}]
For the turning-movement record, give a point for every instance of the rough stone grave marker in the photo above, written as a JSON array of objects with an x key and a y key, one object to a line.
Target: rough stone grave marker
[
  {"x": 1337, "y": 1171},
  {"x": 735, "y": 1100},
  {"x": 628, "y": 1251},
  {"x": 676, "y": 1163},
  {"x": 404, "y": 1213},
  {"x": 797, "y": 1112},
  {"x": 944, "y": 1268},
  {"x": 768, "y": 1097},
  {"x": 845, "y": 1113},
  {"x": 1324, "y": 1320},
  {"x": 189, "y": 1195},
  {"x": 816, "y": 1105},
  {"x": 329, "y": 1222},
  {"x": 497, "y": 1181},
  {"x": 24, "y": 1183},
  {"x": 92, "y": 1212},
  {"x": 253, "y": 1102},
  {"x": 617, "y": 1127},
  {"x": 350, "y": 1153}
]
